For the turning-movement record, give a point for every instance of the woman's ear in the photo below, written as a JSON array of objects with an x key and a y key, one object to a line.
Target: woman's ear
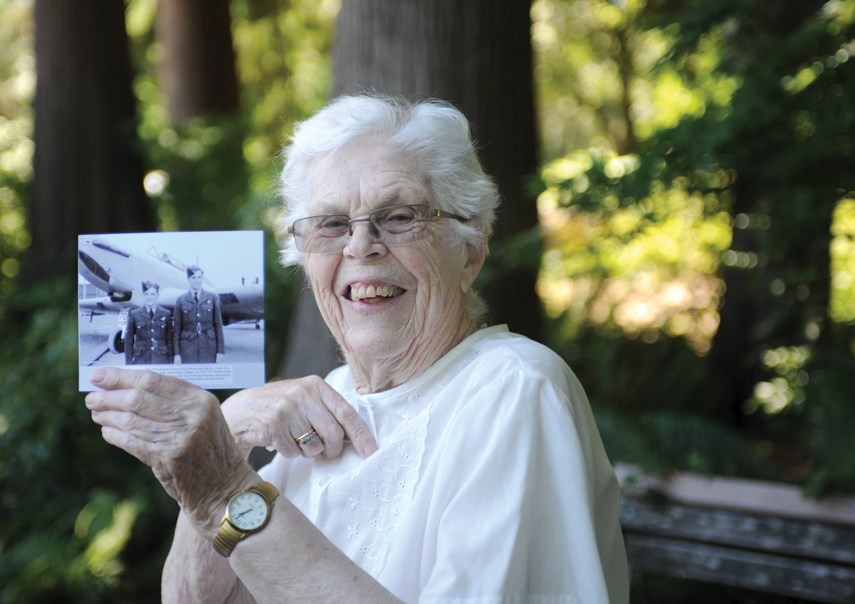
[{"x": 476, "y": 254}]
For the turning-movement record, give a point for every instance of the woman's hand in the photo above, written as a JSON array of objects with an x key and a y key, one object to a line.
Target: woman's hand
[
  {"x": 178, "y": 430},
  {"x": 277, "y": 414}
]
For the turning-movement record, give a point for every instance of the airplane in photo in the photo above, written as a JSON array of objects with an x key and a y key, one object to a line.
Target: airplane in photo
[{"x": 119, "y": 273}]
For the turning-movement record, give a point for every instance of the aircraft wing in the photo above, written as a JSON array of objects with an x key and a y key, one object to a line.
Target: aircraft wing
[
  {"x": 103, "y": 305},
  {"x": 244, "y": 303}
]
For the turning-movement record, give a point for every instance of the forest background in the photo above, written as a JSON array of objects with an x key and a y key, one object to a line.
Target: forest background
[{"x": 679, "y": 222}]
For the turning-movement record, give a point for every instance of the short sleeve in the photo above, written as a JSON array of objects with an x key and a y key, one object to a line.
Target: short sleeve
[{"x": 526, "y": 503}]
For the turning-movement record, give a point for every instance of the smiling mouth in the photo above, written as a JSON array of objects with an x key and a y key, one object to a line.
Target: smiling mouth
[{"x": 364, "y": 293}]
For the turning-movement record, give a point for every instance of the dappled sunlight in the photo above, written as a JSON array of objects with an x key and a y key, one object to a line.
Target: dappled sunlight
[
  {"x": 839, "y": 14},
  {"x": 17, "y": 88},
  {"x": 16, "y": 146},
  {"x": 642, "y": 305},
  {"x": 692, "y": 155},
  {"x": 106, "y": 525},
  {"x": 785, "y": 387},
  {"x": 843, "y": 262},
  {"x": 653, "y": 266},
  {"x": 623, "y": 269},
  {"x": 284, "y": 65},
  {"x": 285, "y": 68},
  {"x": 662, "y": 100},
  {"x": 604, "y": 79},
  {"x": 155, "y": 182}
]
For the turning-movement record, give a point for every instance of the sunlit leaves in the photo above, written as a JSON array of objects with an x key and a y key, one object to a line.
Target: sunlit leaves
[
  {"x": 104, "y": 524},
  {"x": 843, "y": 262},
  {"x": 633, "y": 251},
  {"x": 671, "y": 84},
  {"x": 284, "y": 63},
  {"x": 645, "y": 267},
  {"x": 17, "y": 85},
  {"x": 606, "y": 78},
  {"x": 786, "y": 385}
]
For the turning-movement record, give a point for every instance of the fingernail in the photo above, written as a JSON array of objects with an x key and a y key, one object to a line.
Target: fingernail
[{"x": 369, "y": 449}]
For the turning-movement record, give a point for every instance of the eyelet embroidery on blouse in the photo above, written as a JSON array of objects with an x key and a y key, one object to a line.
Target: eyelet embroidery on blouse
[
  {"x": 376, "y": 492},
  {"x": 384, "y": 491}
]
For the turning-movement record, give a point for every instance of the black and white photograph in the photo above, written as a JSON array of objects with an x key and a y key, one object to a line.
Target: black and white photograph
[{"x": 184, "y": 304}]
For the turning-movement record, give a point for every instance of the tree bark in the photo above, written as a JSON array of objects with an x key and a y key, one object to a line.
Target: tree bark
[
  {"x": 87, "y": 174},
  {"x": 197, "y": 70},
  {"x": 477, "y": 55}
]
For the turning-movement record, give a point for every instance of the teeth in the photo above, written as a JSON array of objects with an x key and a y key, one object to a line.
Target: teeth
[{"x": 363, "y": 292}]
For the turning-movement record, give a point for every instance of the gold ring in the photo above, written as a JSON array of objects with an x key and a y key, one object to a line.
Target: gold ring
[{"x": 307, "y": 437}]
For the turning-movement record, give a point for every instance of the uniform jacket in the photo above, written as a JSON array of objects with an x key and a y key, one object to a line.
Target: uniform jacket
[
  {"x": 148, "y": 341},
  {"x": 198, "y": 333}
]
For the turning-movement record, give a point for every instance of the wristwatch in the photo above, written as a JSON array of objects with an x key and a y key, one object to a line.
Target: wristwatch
[{"x": 247, "y": 512}]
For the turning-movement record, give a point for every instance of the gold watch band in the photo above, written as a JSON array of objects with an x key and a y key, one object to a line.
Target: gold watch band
[{"x": 228, "y": 535}]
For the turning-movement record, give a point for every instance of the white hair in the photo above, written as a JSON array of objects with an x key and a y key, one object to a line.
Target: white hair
[{"x": 432, "y": 133}]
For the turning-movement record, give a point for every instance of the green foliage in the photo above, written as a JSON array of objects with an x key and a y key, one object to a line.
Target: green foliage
[
  {"x": 201, "y": 180},
  {"x": 14, "y": 238},
  {"x": 788, "y": 139},
  {"x": 741, "y": 116},
  {"x": 285, "y": 68},
  {"x": 642, "y": 259},
  {"x": 831, "y": 424},
  {"x": 83, "y": 568},
  {"x": 663, "y": 441},
  {"x": 637, "y": 376},
  {"x": 656, "y": 407},
  {"x": 675, "y": 132},
  {"x": 17, "y": 84},
  {"x": 220, "y": 172},
  {"x": 605, "y": 78},
  {"x": 90, "y": 523},
  {"x": 81, "y": 507},
  {"x": 843, "y": 262}
]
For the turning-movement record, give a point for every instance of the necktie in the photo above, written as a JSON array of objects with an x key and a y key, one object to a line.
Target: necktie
[
  {"x": 150, "y": 314},
  {"x": 196, "y": 297}
]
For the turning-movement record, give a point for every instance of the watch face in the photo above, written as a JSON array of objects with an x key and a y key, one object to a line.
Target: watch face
[{"x": 247, "y": 511}]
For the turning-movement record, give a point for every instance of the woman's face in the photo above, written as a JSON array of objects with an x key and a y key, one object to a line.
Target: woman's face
[{"x": 386, "y": 304}]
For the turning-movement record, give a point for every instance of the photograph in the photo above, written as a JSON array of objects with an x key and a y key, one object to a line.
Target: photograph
[
  {"x": 562, "y": 301},
  {"x": 184, "y": 304}
]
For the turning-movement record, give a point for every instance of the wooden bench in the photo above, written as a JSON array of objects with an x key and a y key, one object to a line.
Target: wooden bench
[{"x": 754, "y": 535}]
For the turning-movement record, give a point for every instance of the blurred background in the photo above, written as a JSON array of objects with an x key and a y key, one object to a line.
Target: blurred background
[{"x": 678, "y": 223}]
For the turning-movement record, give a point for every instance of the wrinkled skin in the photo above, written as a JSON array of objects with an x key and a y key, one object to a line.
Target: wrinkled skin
[
  {"x": 176, "y": 429},
  {"x": 182, "y": 433},
  {"x": 388, "y": 340},
  {"x": 198, "y": 449},
  {"x": 277, "y": 413}
]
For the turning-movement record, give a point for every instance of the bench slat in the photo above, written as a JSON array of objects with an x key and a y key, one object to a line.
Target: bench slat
[
  {"x": 793, "y": 537},
  {"x": 820, "y": 582}
]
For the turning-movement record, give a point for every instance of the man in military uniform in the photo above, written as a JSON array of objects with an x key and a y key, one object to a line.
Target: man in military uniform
[
  {"x": 198, "y": 333},
  {"x": 148, "y": 332}
]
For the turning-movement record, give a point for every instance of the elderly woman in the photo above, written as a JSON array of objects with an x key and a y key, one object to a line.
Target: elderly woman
[{"x": 446, "y": 461}]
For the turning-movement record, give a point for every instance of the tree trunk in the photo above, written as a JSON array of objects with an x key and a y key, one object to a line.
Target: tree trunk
[
  {"x": 87, "y": 176},
  {"x": 734, "y": 356},
  {"x": 476, "y": 54},
  {"x": 197, "y": 71}
]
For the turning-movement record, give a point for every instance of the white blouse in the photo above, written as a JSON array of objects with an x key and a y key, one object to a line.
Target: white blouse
[{"x": 490, "y": 483}]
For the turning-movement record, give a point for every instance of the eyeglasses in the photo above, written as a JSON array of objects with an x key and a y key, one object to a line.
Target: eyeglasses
[{"x": 395, "y": 225}]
